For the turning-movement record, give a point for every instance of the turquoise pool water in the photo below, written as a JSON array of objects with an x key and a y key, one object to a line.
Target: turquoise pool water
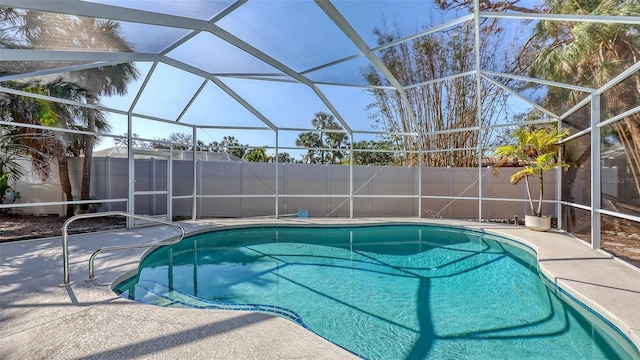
[{"x": 383, "y": 292}]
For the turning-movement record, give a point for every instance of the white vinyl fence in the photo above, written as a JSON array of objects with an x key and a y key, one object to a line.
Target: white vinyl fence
[{"x": 244, "y": 189}]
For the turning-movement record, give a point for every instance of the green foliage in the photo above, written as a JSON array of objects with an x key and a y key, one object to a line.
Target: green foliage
[
  {"x": 436, "y": 106},
  {"x": 4, "y": 184},
  {"x": 537, "y": 151},
  {"x": 256, "y": 155},
  {"x": 42, "y": 144},
  {"x": 80, "y": 33},
  {"x": 376, "y": 153},
  {"x": 582, "y": 53},
  {"x": 285, "y": 157},
  {"x": 177, "y": 140},
  {"x": 4, "y": 196},
  {"x": 324, "y": 146},
  {"x": 591, "y": 54},
  {"x": 311, "y": 141},
  {"x": 10, "y": 151},
  {"x": 231, "y": 145},
  {"x": 10, "y": 170}
]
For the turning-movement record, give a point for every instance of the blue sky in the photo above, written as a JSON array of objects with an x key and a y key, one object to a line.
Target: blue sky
[
  {"x": 285, "y": 104},
  {"x": 276, "y": 28}
]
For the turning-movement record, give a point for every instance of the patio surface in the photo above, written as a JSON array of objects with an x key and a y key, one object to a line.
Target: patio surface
[{"x": 41, "y": 320}]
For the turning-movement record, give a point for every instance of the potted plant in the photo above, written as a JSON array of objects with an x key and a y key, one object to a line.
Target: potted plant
[{"x": 536, "y": 150}]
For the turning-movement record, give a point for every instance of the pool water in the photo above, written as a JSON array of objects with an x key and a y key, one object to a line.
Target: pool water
[{"x": 383, "y": 292}]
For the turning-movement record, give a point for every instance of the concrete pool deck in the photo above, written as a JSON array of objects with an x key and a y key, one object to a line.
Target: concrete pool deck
[{"x": 41, "y": 320}]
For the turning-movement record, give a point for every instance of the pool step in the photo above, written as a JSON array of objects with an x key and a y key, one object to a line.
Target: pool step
[{"x": 158, "y": 294}]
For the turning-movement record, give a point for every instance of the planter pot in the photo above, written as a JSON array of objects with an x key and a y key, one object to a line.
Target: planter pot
[{"x": 537, "y": 223}]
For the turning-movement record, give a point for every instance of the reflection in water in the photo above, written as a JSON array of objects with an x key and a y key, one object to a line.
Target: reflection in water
[{"x": 409, "y": 292}]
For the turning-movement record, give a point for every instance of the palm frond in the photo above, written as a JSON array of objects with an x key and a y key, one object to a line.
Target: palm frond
[{"x": 519, "y": 175}]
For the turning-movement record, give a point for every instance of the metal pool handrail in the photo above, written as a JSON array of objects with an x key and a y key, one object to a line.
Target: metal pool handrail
[{"x": 65, "y": 239}]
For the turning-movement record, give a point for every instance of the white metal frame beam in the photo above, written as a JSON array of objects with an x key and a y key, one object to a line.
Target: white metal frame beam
[
  {"x": 633, "y": 20},
  {"x": 191, "y": 101},
  {"x": 439, "y": 80},
  {"x": 251, "y": 50},
  {"x": 58, "y": 70},
  {"x": 478, "y": 62},
  {"x": 73, "y": 56},
  {"x": 286, "y": 79},
  {"x": 199, "y": 72},
  {"x": 576, "y": 107},
  {"x": 596, "y": 191},
  {"x": 90, "y": 9},
  {"x": 393, "y": 43},
  {"x": 55, "y": 99},
  {"x": 621, "y": 77},
  {"x": 514, "y": 93},
  {"x": 355, "y": 38},
  {"x": 538, "y": 81},
  {"x": 215, "y": 19}
]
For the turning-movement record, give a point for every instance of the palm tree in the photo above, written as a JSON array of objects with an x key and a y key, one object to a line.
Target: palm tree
[
  {"x": 10, "y": 151},
  {"x": 591, "y": 54},
  {"x": 73, "y": 32},
  {"x": 310, "y": 141},
  {"x": 10, "y": 170},
  {"x": 333, "y": 140},
  {"x": 43, "y": 144},
  {"x": 537, "y": 150},
  {"x": 322, "y": 121},
  {"x": 284, "y": 157},
  {"x": 76, "y": 143}
]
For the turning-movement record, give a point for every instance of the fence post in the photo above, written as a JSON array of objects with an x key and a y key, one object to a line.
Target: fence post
[
  {"x": 108, "y": 176},
  {"x": 449, "y": 190},
  {"x": 487, "y": 206}
]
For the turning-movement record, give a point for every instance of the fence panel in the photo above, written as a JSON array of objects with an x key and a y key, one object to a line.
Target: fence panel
[{"x": 243, "y": 189}]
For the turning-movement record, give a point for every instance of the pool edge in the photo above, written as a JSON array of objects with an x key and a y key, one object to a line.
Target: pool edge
[{"x": 583, "y": 300}]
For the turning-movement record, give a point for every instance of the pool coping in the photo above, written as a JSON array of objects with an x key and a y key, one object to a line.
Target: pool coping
[{"x": 31, "y": 302}]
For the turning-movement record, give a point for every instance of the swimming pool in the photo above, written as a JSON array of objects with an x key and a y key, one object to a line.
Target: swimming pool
[{"x": 383, "y": 292}]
